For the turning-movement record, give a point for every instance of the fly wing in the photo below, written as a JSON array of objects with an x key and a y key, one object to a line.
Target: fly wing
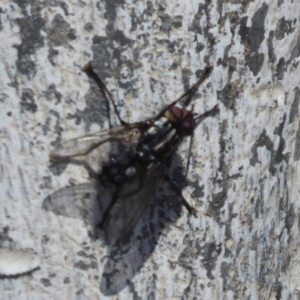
[
  {"x": 80, "y": 202},
  {"x": 131, "y": 201},
  {"x": 94, "y": 149},
  {"x": 73, "y": 201}
]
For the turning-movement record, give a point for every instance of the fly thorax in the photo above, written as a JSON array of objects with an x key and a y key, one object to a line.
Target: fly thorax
[{"x": 158, "y": 141}]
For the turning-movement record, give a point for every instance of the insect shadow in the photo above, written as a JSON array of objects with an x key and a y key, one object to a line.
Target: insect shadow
[
  {"x": 126, "y": 256},
  {"x": 125, "y": 259},
  {"x": 128, "y": 165}
]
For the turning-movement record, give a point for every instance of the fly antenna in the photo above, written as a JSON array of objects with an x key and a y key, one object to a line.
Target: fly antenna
[
  {"x": 88, "y": 69},
  {"x": 208, "y": 113}
]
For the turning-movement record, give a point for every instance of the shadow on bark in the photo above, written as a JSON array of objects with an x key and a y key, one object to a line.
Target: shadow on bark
[{"x": 126, "y": 256}]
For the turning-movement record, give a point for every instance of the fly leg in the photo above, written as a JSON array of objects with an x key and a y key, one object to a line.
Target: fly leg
[
  {"x": 77, "y": 162},
  {"x": 211, "y": 112},
  {"x": 90, "y": 170},
  {"x": 88, "y": 69},
  {"x": 175, "y": 188}
]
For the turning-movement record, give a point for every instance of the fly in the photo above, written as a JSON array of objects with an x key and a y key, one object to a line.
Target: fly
[{"x": 127, "y": 163}]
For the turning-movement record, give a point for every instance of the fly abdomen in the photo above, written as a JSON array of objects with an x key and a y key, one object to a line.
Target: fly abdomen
[{"x": 119, "y": 167}]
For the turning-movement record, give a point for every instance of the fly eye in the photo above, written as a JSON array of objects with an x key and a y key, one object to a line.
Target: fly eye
[
  {"x": 188, "y": 127},
  {"x": 177, "y": 112},
  {"x": 174, "y": 114}
]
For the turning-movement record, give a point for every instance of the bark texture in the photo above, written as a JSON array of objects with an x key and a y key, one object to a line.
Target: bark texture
[{"x": 244, "y": 173}]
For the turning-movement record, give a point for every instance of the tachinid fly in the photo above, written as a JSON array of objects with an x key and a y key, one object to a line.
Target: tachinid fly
[{"x": 127, "y": 164}]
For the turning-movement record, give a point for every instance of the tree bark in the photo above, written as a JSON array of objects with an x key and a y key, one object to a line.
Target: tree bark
[{"x": 244, "y": 168}]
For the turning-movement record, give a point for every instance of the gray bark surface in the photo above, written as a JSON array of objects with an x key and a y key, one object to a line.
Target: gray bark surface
[{"x": 244, "y": 171}]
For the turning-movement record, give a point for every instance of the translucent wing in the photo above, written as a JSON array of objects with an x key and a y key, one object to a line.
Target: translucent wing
[
  {"x": 86, "y": 201},
  {"x": 73, "y": 201},
  {"x": 94, "y": 149},
  {"x": 131, "y": 201}
]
